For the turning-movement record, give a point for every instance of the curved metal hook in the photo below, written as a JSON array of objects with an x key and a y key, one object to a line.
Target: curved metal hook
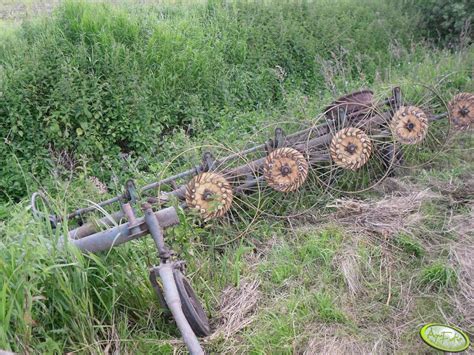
[{"x": 41, "y": 215}]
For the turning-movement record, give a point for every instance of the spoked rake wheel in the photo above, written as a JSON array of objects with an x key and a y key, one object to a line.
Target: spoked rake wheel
[
  {"x": 215, "y": 193},
  {"x": 210, "y": 194},
  {"x": 285, "y": 169},
  {"x": 419, "y": 125},
  {"x": 409, "y": 125},
  {"x": 350, "y": 148},
  {"x": 287, "y": 185},
  {"x": 361, "y": 149},
  {"x": 461, "y": 111}
]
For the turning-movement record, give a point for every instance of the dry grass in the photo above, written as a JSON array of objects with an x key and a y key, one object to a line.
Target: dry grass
[
  {"x": 462, "y": 258},
  {"x": 19, "y": 10},
  {"x": 349, "y": 265},
  {"x": 391, "y": 215},
  {"x": 330, "y": 340},
  {"x": 381, "y": 294},
  {"x": 237, "y": 308}
]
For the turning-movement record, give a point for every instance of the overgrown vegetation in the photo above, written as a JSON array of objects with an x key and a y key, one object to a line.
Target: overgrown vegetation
[
  {"x": 448, "y": 22},
  {"x": 98, "y": 82},
  {"x": 115, "y": 91}
]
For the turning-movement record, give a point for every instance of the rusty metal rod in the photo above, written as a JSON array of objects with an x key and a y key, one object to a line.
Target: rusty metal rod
[
  {"x": 105, "y": 240},
  {"x": 173, "y": 301}
]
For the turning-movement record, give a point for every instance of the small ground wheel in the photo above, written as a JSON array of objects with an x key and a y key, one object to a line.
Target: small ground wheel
[{"x": 192, "y": 308}]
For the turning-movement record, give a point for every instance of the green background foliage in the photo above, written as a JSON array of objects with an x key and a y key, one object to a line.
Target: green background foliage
[
  {"x": 97, "y": 81},
  {"x": 448, "y": 22}
]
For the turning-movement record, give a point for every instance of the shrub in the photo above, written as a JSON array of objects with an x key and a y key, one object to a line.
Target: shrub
[{"x": 445, "y": 21}]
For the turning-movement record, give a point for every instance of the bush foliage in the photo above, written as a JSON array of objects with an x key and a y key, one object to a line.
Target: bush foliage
[
  {"x": 446, "y": 21},
  {"x": 97, "y": 81}
]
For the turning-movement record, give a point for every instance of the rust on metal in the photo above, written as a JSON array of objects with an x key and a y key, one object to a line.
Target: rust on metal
[
  {"x": 409, "y": 125},
  {"x": 354, "y": 104},
  {"x": 461, "y": 111},
  {"x": 350, "y": 148},
  {"x": 285, "y": 169},
  {"x": 210, "y": 194}
]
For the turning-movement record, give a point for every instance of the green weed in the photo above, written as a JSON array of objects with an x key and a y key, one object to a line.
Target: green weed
[
  {"x": 326, "y": 309},
  {"x": 409, "y": 245},
  {"x": 438, "y": 276},
  {"x": 310, "y": 254}
]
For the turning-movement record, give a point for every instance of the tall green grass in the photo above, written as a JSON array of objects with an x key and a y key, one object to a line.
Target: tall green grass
[{"x": 55, "y": 299}]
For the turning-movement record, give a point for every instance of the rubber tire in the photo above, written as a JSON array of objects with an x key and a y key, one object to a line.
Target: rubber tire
[
  {"x": 159, "y": 294},
  {"x": 192, "y": 308}
]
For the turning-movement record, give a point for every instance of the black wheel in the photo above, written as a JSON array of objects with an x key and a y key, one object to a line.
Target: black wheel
[
  {"x": 159, "y": 292},
  {"x": 192, "y": 308}
]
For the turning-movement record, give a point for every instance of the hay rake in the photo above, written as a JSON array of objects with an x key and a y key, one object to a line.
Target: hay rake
[{"x": 353, "y": 145}]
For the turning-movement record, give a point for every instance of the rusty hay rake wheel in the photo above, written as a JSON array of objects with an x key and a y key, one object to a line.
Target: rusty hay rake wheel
[
  {"x": 350, "y": 148},
  {"x": 409, "y": 125},
  {"x": 210, "y": 194},
  {"x": 215, "y": 193},
  {"x": 288, "y": 186},
  {"x": 361, "y": 149},
  {"x": 461, "y": 111},
  {"x": 419, "y": 125},
  {"x": 285, "y": 169}
]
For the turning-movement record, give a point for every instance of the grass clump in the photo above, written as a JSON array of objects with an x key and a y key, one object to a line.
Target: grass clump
[
  {"x": 409, "y": 245},
  {"x": 310, "y": 254},
  {"x": 438, "y": 276},
  {"x": 54, "y": 299},
  {"x": 287, "y": 324},
  {"x": 327, "y": 311}
]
